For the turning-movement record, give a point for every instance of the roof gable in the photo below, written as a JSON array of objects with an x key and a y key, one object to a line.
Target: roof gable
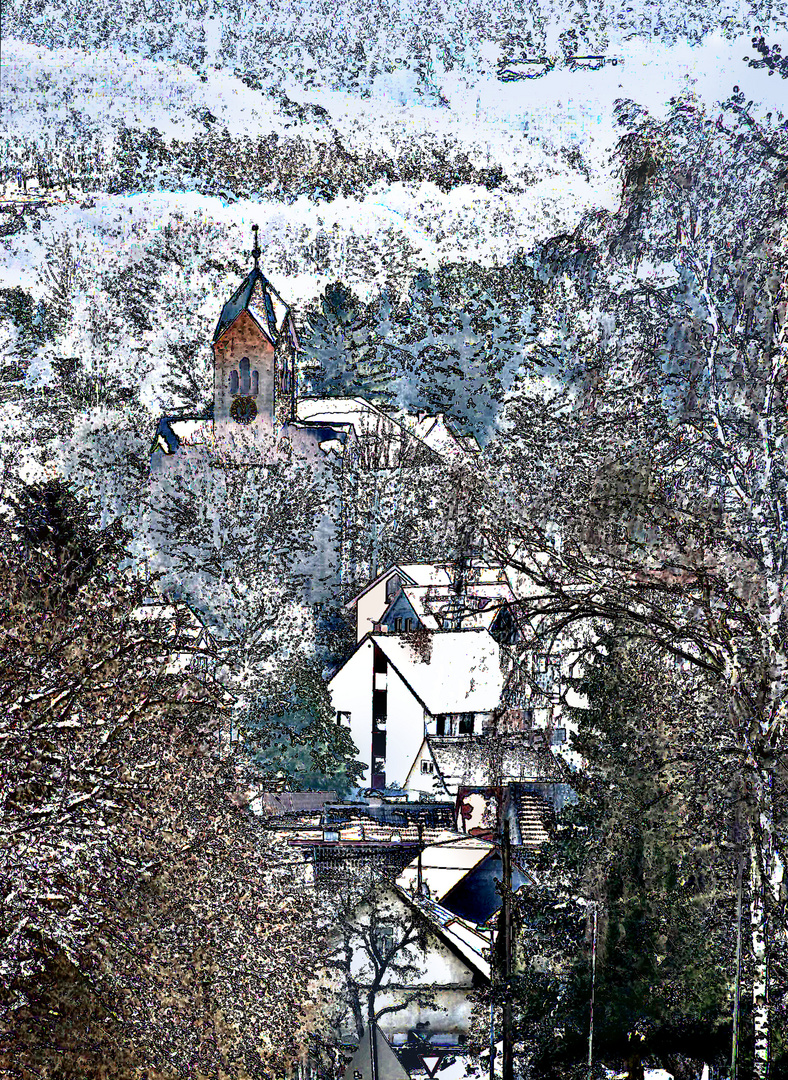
[
  {"x": 257, "y": 296},
  {"x": 448, "y": 671}
]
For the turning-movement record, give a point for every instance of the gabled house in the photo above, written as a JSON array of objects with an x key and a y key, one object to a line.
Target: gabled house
[
  {"x": 461, "y": 876},
  {"x": 432, "y": 960},
  {"x": 409, "y": 596},
  {"x": 395, "y": 689}
]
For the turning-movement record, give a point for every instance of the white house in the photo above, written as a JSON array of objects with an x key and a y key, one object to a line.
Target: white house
[
  {"x": 431, "y": 950},
  {"x": 394, "y": 689},
  {"x": 407, "y": 596}
]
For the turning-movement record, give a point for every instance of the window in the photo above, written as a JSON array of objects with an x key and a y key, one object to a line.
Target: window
[
  {"x": 245, "y": 375},
  {"x": 408, "y": 625},
  {"x": 255, "y": 384},
  {"x": 392, "y": 587},
  {"x": 398, "y": 625},
  {"x": 559, "y": 736},
  {"x": 233, "y": 382},
  {"x": 466, "y": 724},
  {"x": 343, "y": 718},
  {"x": 440, "y": 724},
  {"x": 427, "y": 768}
]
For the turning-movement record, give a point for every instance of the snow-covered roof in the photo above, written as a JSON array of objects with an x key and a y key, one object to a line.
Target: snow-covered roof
[
  {"x": 257, "y": 295},
  {"x": 465, "y": 938},
  {"x": 479, "y": 577},
  {"x": 444, "y": 865},
  {"x": 175, "y": 431},
  {"x": 436, "y": 433},
  {"x": 448, "y": 671}
]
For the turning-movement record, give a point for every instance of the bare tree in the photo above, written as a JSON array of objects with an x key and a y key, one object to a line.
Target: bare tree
[{"x": 654, "y": 493}]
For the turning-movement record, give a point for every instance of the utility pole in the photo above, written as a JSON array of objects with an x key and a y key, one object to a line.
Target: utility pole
[
  {"x": 508, "y": 1047},
  {"x": 373, "y": 1044},
  {"x": 593, "y": 989},
  {"x": 419, "y": 878}
]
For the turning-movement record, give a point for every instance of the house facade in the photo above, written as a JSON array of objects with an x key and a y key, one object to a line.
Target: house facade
[
  {"x": 433, "y": 959},
  {"x": 394, "y": 689}
]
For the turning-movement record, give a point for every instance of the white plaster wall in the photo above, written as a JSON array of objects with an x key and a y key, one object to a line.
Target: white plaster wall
[
  {"x": 404, "y": 729},
  {"x": 351, "y": 691},
  {"x": 452, "y": 1017},
  {"x": 369, "y": 609}
]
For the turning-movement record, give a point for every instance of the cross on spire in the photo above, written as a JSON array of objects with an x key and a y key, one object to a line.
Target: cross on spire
[{"x": 256, "y": 248}]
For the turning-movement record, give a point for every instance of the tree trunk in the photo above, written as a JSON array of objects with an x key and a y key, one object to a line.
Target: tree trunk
[
  {"x": 760, "y": 956},
  {"x": 634, "y": 1064}
]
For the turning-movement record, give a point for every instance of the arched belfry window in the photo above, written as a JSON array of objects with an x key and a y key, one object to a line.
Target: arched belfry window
[
  {"x": 245, "y": 375},
  {"x": 233, "y": 382},
  {"x": 255, "y": 383}
]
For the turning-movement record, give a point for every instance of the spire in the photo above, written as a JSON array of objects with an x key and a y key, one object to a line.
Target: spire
[{"x": 256, "y": 248}]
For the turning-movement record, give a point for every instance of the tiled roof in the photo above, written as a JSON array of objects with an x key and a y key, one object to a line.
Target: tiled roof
[
  {"x": 477, "y": 761},
  {"x": 257, "y": 295},
  {"x": 363, "y": 829}
]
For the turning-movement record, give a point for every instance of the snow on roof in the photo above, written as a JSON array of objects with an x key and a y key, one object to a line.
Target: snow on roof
[
  {"x": 415, "y": 573},
  {"x": 436, "y": 433},
  {"x": 449, "y": 672},
  {"x": 443, "y": 865},
  {"x": 173, "y": 431},
  {"x": 465, "y": 938},
  {"x": 482, "y": 760}
]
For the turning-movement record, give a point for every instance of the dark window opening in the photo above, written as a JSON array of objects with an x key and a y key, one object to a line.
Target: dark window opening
[
  {"x": 233, "y": 382},
  {"x": 398, "y": 625},
  {"x": 466, "y": 724},
  {"x": 255, "y": 384},
  {"x": 244, "y": 365},
  {"x": 378, "y": 660},
  {"x": 440, "y": 724}
]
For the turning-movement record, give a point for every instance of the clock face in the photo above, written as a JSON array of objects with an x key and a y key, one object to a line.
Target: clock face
[{"x": 243, "y": 410}]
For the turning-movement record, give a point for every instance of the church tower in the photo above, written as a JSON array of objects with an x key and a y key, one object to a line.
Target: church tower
[{"x": 254, "y": 354}]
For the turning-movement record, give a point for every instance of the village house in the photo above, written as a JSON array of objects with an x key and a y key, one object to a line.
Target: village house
[
  {"x": 394, "y": 689},
  {"x": 432, "y": 596},
  {"x": 420, "y": 960}
]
